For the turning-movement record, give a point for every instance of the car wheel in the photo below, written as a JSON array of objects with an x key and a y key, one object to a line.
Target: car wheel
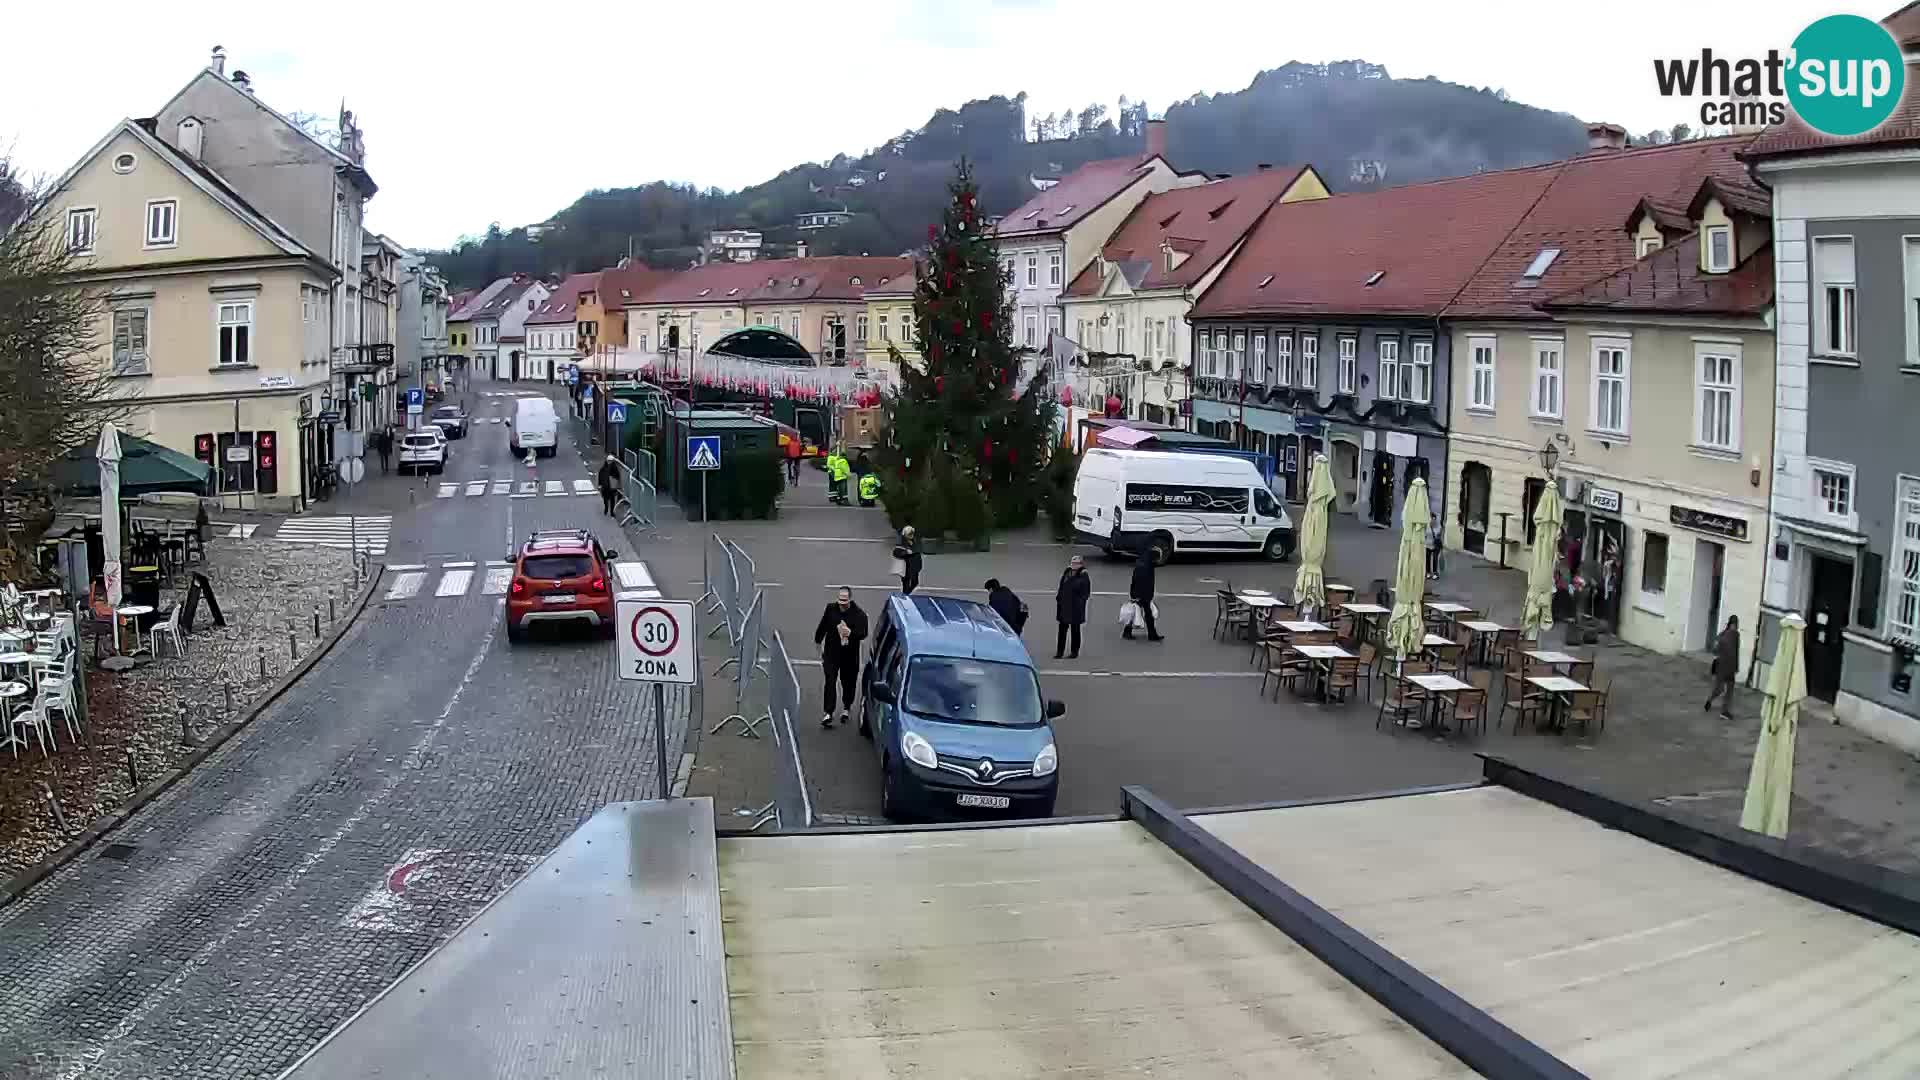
[
  {"x": 1162, "y": 548},
  {"x": 515, "y": 635},
  {"x": 514, "y": 447},
  {"x": 605, "y": 631},
  {"x": 1278, "y": 546},
  {"x": 890, "y": 807}
]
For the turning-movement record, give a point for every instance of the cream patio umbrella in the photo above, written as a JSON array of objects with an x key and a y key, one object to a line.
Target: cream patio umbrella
[
  {"x": 1310, "y": 581},
  {"x": 107, "y": 452},
  {"x": 1408, "y": 623},
  {"x": 1536, "y": 611},
  {"x": 1770, "y": 786}
]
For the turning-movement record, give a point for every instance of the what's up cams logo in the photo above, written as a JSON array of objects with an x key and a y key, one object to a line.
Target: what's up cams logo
[{"x": 1843, "y": 76}]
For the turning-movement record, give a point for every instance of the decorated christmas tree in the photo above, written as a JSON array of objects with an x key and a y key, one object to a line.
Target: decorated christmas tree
[{"x": 967, "y": 442}]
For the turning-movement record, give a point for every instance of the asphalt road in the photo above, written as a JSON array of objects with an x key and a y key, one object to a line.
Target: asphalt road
[{"x": 413, "y": 773}]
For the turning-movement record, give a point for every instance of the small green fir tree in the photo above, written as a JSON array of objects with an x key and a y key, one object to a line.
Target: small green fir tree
[{"x": 962, "y": 405}]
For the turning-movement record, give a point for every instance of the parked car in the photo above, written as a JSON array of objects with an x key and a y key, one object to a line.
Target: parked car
[
  {"x": 560, "y": 577},
  {"x": 451, "y": 419},
  {"x": 423, "y": 451},
  {"x": 1173, "y": 502},
  {"x": 952, "y": 703}
]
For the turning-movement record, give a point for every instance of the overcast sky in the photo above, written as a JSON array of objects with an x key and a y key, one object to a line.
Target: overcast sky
[{"x": 473, "y": 116}]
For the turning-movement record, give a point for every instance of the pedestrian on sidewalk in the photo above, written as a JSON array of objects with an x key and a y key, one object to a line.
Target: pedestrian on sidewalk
[
  {"x": 1070, "y": 608},
  {"x": 1434, "y": 529},
  {"x": 1140, "y": 591},
  {"x": 843, "y": 626},
  {"x": 383, "y": 445},
  {"x": 908, "y": 552},
  {"x": 1726, "y": 667},
  {"x": 609, "y": 484},
  {"x": 793, "y": 461},
  {"x": 1003, "y": 600}
]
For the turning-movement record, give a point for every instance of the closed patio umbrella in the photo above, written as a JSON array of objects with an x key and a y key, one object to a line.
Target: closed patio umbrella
[
  {"x": 1536, "y": 612},
  {"x": 1770, "y": 785},
  {"x": 108, "y": 454},
  {"x": 1310, "y": 581},
  {"x": 1408, "y": 623}
]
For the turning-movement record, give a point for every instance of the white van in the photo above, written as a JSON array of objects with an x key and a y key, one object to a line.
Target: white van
[
  {"x": 534, "y": 426},
  {"x": 1177, "y": 502}
]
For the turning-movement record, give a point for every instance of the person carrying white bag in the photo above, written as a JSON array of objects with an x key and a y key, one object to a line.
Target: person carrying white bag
[{"x": 1140, "y": 592}]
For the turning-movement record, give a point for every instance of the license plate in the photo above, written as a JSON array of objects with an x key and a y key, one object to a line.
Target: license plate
[
  {"x": 559, "y": 598},
  {"x": 985, "y": 802}
]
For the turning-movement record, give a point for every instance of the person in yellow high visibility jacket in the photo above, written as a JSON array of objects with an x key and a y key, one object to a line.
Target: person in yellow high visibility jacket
[
  {"x": 869, "y": 489},
  {"x": 839, "y": 469}
]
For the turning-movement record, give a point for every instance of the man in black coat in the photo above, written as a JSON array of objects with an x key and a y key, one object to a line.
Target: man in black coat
[
  {"x": 843, "y": 626},
  {"x": 1140, "y": 591},
  {"x": 609, "y": 478},
  {"x": 908, "y": 552},
  {"x": 1002, "y": 599},
  {"x": 1070, "y": 607}
]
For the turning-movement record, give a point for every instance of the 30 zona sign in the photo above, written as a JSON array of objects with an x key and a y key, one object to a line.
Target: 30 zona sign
[{"x": 656, "y": 640}]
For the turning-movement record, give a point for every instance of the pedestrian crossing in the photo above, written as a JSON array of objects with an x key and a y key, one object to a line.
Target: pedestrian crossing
[
  {"x": 453, "y": 580},
  {"x": 241, "y": 532},
  {"x": 369, "y": 533},
  {"x": 521, "y": 489}
]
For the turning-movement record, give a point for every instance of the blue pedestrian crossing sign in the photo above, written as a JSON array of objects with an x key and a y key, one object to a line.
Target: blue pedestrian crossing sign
[
  {"x": 703, "y": 451},
  {"x": 616, "y": 412}
]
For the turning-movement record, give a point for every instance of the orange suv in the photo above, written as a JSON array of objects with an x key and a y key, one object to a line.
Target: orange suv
[{"x": 561, "y": 576}]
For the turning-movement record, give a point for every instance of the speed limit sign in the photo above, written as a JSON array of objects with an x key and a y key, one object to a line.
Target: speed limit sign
[{"x": 656, "y": 641}]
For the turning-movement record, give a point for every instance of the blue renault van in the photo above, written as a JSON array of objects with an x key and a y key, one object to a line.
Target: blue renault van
[{"x": 952, "y": 703}]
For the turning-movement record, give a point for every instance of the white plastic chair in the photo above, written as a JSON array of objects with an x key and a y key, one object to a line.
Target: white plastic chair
[
  {"x": 53, "y": 686},
  {"x": 171, "y": 628},
  {"x": 34, "y": 716}
]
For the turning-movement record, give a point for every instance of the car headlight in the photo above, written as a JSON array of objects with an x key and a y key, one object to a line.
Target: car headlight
[
  {"x": 919, "y": 751},
  {"x": 1047, "y": 761}
]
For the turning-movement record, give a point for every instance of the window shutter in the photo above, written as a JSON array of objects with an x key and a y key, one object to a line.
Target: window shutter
[{"x": 1868, "y": 615}]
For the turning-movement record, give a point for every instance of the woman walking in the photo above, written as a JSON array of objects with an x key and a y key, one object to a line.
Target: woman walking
[
  {"x": 1070, "y": 608},
  {"x": 908, "y": 552}
]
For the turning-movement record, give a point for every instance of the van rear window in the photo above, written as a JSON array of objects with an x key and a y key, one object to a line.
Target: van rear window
[{"x": 557, "y": 567}]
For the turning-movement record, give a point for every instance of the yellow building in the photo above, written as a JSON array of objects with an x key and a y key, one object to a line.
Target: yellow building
[
  {"x": 818, "y": 302},
  {"x": 214, "y": 320},
  {"x": 887, "y": 326}
]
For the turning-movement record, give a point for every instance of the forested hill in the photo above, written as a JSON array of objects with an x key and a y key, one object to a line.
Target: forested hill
[{"x": 1351, "y": 120}]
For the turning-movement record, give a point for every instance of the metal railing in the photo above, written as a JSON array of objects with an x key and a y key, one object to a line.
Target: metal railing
[
  {"x": 746, "y": 663},
  {"x": 722, "y": 584},
  {"x": 792, "y": 806},
  {"x": 639, "y": 502}
]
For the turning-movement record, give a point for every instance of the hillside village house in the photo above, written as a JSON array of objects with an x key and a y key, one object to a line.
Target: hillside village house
[
  {"x": 221, "y": 235},
  {"x": 1844, "y": 547},
  {"x": 553, "y": 330},
  {"x": 370, "y": 374},
  {"x": 496, "y": 319},
  {"x": 619, "y": 285},
  {"x": 1049, "y": 239},
  {"x": 887, "y": 326},
  {"x": 1322, "y": 334},
  {"x": 421, "y": 346},
  {"x": 816, "y": 302},
  {"x": 1624, "y": 324},
  {"x": 1133, "y": 298}
]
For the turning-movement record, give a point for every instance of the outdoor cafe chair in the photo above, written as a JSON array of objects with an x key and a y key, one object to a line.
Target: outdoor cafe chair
[
  {"x": 170, "y": 629},
  {"x": 1470, "y": 708},
  {"x": 1344, "y": 677},
  {"x": 1521, "y": 698},
  {"x": 1399, "y": 698},
  {"x": 1588, "y": 708},
  {"x": 1369, "y": 661},
  {"x": 1581, "y": 671},
  {"x": 1263, "y": 636},
  {"x": 1232, "y": 613},
  {"x": 1287, "y": 667},
  {"x": 33, "y": 716}
]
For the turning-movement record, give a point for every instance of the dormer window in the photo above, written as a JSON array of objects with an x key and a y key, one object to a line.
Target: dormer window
[
  {"x": 735, "y": 291},
  {"x": 1214, "y": 214},
  {"x": 1719, "y": 242},
  {"x": 796, "y": 283},
  {"x": 1374, "y": 278},
  {"x": 769, "y": 283},
  {"x": 855, "y": 280},
  {"x": 703, "y": 292},
  {"x": 1537, "y": 269},
  {"x": 1264, "y": 282},
  {"x": 1030, "y": 215},
  {"x": 1067, "y": 209},
  {"x": 1645, "y": 246}
]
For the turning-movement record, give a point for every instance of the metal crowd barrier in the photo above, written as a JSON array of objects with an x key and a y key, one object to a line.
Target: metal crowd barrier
[
  {"x": 639, "y": 500},
  {"x": 746, "y": 663},
  {"x": 722, "y": 583},
  {"x": 746, "y": 572},
  {"x": 791, "y": 806}
]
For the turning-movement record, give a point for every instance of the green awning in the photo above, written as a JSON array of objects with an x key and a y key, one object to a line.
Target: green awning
[{"x": 146, "y": 468}]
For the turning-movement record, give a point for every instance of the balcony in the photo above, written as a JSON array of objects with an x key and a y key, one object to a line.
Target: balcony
[{"x": 366, "y": 359}]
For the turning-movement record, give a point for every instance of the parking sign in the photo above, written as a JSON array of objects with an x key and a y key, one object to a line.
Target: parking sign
[{"x": 656, "y": 639}]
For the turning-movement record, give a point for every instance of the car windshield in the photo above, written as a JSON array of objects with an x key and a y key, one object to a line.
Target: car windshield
[
  {"x": 447, "y": 412},
  {"x": 555, "y": 567},
  {"x": 422, "y": 442},
  {"x": 972, "y": 691}
]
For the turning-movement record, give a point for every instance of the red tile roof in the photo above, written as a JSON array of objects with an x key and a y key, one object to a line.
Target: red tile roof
[
  {"x": 620, "y": 285},
  {"x": 1204, "y": 221},
  {"x": 1078, "y": 194},
  {"x": 1425, "y": 240},
  {"x": 1904, "y": 25},
  {"x": 558, "y": 308},
  {"x": 1902, "y": 128},
  {"x": 822, "y": 279},
  {"x": 1581, "y": 214},
  {"x": 1670, "y": 281}
]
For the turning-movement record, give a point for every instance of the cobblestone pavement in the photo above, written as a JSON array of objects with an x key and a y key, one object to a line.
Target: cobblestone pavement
[
  {"x": 261, "y": 588},
  {"x": 405, "y": 780}
]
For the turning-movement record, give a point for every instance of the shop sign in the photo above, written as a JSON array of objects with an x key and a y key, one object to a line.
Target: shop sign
[
  {"x": 276, "y": 382},
  {"x": 1606, "y": 499},
  {"x": 306, "y": 406},
  {"x": 1706, "y": 521}
]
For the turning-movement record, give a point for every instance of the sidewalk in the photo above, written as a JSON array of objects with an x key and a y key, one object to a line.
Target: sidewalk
[{"x": 1853, "y": 795}]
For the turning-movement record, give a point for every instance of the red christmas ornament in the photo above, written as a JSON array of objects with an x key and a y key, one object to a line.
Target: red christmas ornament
[
  {"x": 933, "y": 232},
  {"x": 1066, "y": 396},
  {"x": 1113, "y": 405}
]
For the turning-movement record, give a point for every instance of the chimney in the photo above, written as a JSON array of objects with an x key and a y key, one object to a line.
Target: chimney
[
  {"x": 240, "y": 80},
  {"x": 188, "y": 139},
  {"x": 219, "y": 64},
  {"x": 800, "y": 250},
  {"x": 1156, "y": 138},
  {"x": 1605, "y": 136}
]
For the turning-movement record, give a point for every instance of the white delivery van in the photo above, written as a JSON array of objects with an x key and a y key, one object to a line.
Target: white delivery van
[
  {"x": 1177, "y": 502},
  {"x": 534, "y": 427}
]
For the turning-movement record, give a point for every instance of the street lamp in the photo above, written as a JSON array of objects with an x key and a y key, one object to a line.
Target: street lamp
[{"x": 1549, "y": 456}]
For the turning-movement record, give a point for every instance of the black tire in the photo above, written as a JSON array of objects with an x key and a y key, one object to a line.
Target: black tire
[
  {"x": 604, "y": 631},
  {"x": 514, "y": 448},
  {"x": 1279, "y": 546},
  {"x": 515, "y": 635},
  {"x": 1162, "y": 547}
]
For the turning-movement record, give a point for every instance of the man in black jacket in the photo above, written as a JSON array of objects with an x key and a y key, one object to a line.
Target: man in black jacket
[
  {"x": 1002, "y": 599},
  {"x": 1140, "y": 591},
  {"x": 1070, "y": 607},
  {"x": 609, "y": 477},
  {"x": 843, "y": 626}
]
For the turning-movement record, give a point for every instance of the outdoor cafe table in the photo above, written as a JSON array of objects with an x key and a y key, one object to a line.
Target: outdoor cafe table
[
  {"x": 11, "y": 692},
  {"x": 1337, "y": 594},
  {"x": 1483, "y": 631},
  {"x": 1438, "y": 685},
  {"x": 1302, "y": 626},
  {"x": 14, "y": 663},
  {"x": 131, "y": 612},
  {"x": 1435, "y": 643},
  {"x": 1322, "y": 657},
  {"x": 1552, "y": 657},
  {"x": 1364, "y": 615},
  {"x": 13, "y": 640},
  {"x": 1557, "y": 687}
]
